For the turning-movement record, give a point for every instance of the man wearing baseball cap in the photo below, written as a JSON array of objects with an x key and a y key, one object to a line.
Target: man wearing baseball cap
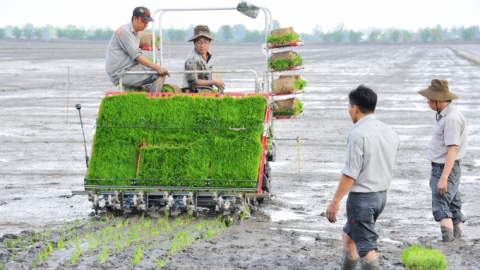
[
  {"x": 124, "y": 54},
  {"x": 198, "y": 59},
  {"x": 447, "y": 147}
]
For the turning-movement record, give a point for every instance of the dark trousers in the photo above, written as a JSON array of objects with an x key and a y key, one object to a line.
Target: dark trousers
[
  {"x": 363, "y": 209},
  {"x": 449, "y": 205}
]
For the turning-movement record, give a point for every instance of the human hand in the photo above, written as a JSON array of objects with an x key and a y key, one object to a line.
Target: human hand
[
  {"x": 219, "y": 83},
  {"x": 162, "y": 71},
  {"x": 332, "y": 211},
  {"x": 442, "y": 186}
]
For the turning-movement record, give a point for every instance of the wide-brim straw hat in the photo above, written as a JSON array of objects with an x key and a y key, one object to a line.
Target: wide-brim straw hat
[
  {"x": 201, "y": 31},
  {"x": 438, "y": 90}
]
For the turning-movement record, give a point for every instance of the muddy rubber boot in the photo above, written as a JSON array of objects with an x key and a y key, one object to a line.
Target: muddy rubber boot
[
  {"x": 370, "y": 265},
  {"x": 447, "y": 234},
  {"x": 457, "y": 232},
  {"x": 347, "y": 262}
]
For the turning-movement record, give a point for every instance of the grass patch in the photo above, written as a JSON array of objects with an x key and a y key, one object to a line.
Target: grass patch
[{"x": 416, "y": 257}]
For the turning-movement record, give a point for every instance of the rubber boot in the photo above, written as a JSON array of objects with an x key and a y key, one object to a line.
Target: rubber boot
[
  {"x": 447, "y": 234},
  {"x": 457, "y": 232},
  {"x": 370, "y": 265},
  {"x": 347, "y": 262}
]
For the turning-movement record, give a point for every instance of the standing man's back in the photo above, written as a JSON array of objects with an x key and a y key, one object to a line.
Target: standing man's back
[{"x": 368, "y": 171}]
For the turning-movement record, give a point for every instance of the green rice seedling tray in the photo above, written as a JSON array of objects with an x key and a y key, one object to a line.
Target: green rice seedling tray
[
  {"x": 169, "y": 141},
  {"x": 416, "y": 257},
  {"x": 287, "y": 108}
]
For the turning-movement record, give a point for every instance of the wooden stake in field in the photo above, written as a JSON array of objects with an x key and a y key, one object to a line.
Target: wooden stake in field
[{"x": 68, "y": 90}]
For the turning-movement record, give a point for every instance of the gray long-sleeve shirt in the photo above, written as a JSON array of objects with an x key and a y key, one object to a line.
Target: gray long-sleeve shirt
[
  {"x": 122, "y": 51},
  {"x": 371, "y": 153}
]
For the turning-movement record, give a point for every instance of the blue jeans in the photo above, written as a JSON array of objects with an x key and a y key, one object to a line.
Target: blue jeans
[
  {"x": 449, "y": 205},
  {"x": 363, "y": 209}
]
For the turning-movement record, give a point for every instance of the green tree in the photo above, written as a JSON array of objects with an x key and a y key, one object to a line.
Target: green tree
[
  {"x": 468, "y": 33},
  {"x": 71, "y": 32},
  {"x": 354, "y": 36},
  {"x": 276, "y": 24},
  {"x": 254, "y": 36},
  {"x": 425, "y": 34},
  {"x": 176, "y": 34},
  {"x": 395, "y": 35},
  {"x": 226, "y": 32},
  {"x": 317, "y": 32},
  {"x": 17, "y": 32},
  {"x": 238, "y": 32},
  {"x": 28, "y": 30},
  {"x": 406, "y": 35},
  {"x": 338, "y": 33},
  {"x": 2, "y": 33},
  {"x": 436, "y": 33},
  {"x": 101, "y": 34},
  {"x": 39, "y": 32},
  {"x": 49, "y": 31},
  {"x": 373, "y": 36}
]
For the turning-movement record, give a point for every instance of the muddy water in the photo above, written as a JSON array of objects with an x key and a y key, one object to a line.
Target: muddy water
[{"x": 43, "y": 156}]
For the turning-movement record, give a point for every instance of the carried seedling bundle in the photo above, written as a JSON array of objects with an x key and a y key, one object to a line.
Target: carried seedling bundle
[
  {"x": 283, "y": 36},
  {"x": 284, "y": 60},
  {"x": 416, "y": 257},
  {"x": 288, "y": 84},
  {"x": 182, "y": 140},
  {"x": 171, "y": 88},
  {"x": 146, "y": 40},
  {"x": 287, "y": 107}
]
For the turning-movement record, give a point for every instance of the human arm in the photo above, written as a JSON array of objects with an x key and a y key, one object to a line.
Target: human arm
[
  {"x": 217, "y": 82},
  {"x": 344, "y": 186},
  {"x": 144, "y": 61},
  {"x": 447, "y": 169}
]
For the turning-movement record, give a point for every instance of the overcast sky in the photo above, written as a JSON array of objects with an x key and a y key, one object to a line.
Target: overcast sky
[{"x": 302, "y": 15}]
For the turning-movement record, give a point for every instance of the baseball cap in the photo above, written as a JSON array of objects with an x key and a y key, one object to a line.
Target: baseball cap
[{"x": 143, "y": 13}]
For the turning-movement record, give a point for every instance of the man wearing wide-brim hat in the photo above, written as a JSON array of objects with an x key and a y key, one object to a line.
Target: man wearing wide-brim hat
[
  {"x": 447, "y": 147},
  {"x": 198, "y": 59}
]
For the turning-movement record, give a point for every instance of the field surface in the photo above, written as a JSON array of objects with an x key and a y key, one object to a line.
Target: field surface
[{"x": 43, "y": 159}]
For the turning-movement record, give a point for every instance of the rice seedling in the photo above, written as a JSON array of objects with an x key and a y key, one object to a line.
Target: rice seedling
[
  {"x": 416, "y": 257},
  {"x": 137, "y": 256},
  {"x": 103, "y": 256},
  {"x": 61, "y": 243},
  {"x": 118, "y": 245},
  {"x": 161, "y": 263},
  {"x": 40, "y": 257},
  {"x": 34, "y": 264},
  {"x": 76, "y": 254},
  {"x": 299, "y": 84},
  {"x": 146, "y": 224}
]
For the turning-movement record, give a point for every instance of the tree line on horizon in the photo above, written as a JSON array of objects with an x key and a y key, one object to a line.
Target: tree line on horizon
[{"x": 239, "y": 33}]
